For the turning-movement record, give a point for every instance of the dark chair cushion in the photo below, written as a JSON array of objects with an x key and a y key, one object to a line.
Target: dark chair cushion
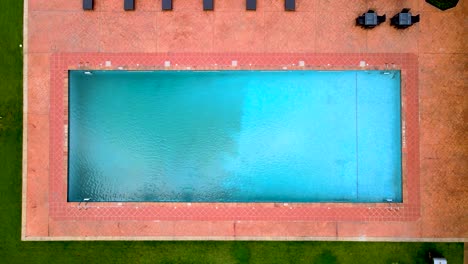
[
  {"x": 360, "y": 21},
  {"x": 394, "y": 20},
  {"x": 289, "y": 5},
  {"x": 166, "y": 4},
  {"x": 88, "y": 4},
  {"x": 208, "y": 5},
  {"x": 129, "y": 5},
  {"x": 251, "y": 4},
  {"x": 381, "y": 19}
]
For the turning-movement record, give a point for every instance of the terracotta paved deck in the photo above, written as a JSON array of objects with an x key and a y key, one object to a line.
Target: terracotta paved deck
[{"x": 431, "y": 55}]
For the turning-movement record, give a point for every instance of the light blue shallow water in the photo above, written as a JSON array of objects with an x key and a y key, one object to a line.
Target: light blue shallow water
[{"x": 235, "y": 136}]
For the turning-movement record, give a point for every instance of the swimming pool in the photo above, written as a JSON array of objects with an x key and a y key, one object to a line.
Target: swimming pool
[{"x": 235, "y": 136}]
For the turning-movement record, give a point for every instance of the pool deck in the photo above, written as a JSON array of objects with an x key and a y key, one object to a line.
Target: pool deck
[{"x": 321, "y": 34}]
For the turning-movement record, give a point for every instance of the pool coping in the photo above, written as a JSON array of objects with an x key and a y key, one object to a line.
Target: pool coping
[
  {"x": 381, "y": 212},
  {"x": 359, "y": 192}
]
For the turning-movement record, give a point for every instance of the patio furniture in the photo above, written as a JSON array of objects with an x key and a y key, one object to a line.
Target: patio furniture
[
  {"x": 370, "y": 19},
  {"x": 404, "y": 19},
  {"x": 289, "y": 5},
  {"x": 166, "y": 5},
  {"x": 360, "y": 20},
  {"x": 129, "y": 5},
  {"x": 381, "y": 19},
  {"x": 208, "y": 5},
  {"x": 251, "y": 4},
  {"x": 88, "y": 4}
]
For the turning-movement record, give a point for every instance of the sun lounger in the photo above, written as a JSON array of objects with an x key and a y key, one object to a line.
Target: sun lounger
[
  {"x": 251, "y": 5},
  {"x": 370, "y": 19},
  {"x": 129, "y": 5},
  {"x": 289, "y": 5},
  {"x": 360, "y": 20},
  {"x": 381, "y": 19},
  {"x": 208, "y": 5},
  {"x": 166, "y": 5},
  {"x": 88, "y": 4},
  {"x": 404, "y": 19}
]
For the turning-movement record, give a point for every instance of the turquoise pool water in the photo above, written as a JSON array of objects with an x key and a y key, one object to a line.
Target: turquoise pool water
[{"x": 235, "y": 136}]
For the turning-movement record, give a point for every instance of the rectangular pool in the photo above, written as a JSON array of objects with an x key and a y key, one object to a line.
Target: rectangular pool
[{"x": 235, "y": 136}]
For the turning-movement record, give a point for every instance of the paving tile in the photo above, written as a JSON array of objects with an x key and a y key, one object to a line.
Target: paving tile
[
  {"x": 287, "y": 31},
  {"x": 79, "y": 31},
  {"x": 39, "y": 65},
  {"x": 305, "y": 6},
  {"x": 233, "y": 6},
  {"x": 342, "y": 34},
  {"x": 273, "y": 5},
  {"x": 401, "y": 40},
  {"x": 431, "y": 54},
  {"x": 117, "y": 5},
  {"x": 285, "y": 229},
  {"x": 441, "y": 213},
  {"x": 442, "y": 75},
  {"x": 38, "y": 83},
  {"x": 203, "y": 228},
  {"x": 188, "y": 5},
  {"x": 185, "y": 31},
  {"x": 330, "y": 6},
  {"x": 442, "y": 32},
  {"x": 38, "y": 142},
  {"x": 128, "y": 32},
  {"x": 239, "y": 32},
  {"x": 56, "y": 5},
  {"x": 393, "y": 7},
  {"x": 434, "y": 130},
  {"x": 37, "y": 207},
  {"x": 38, "y": 94},
  {"x": 378, "y": 229}
]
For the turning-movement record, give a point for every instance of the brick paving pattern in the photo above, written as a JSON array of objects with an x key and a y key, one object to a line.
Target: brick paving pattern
[{"x": 431, "y": 55}]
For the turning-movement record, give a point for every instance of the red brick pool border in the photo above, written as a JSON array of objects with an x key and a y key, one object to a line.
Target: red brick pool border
[{"x": 60, "y": 210}]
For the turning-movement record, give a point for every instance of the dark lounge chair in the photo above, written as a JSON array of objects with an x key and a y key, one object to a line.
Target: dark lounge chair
[
  {"x": 88, "y": 4},
  {"x": 129, "y": 5},
  {"x": 404, "y": 19},
  {"x": 360, "y": 20},
  {"x": 394, "y": 20},
  {"x": 166, "y": 5},
  {"x": 370, "y": 19},
  {"x": 289, "y": 5},
  {"x": 251, "y": 4},
  {"x": 208, "y": 5},
  {"x": 381, "y": 19}
]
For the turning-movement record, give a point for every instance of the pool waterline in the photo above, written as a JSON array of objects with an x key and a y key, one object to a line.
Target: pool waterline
[{"x": 242, "y": 151}]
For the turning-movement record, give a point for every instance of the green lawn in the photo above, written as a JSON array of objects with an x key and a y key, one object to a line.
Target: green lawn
[{"x": 12, "y": 250}]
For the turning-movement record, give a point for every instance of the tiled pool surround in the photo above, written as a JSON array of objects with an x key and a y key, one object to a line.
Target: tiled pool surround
[
  {"x": 439, "y": 65},
  {"x": 60, "y": 210}
]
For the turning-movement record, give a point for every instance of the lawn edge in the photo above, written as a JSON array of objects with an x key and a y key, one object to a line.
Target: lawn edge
[
  {"x": 24, "y": 170},
  {"x": 246, "y": 238}
]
